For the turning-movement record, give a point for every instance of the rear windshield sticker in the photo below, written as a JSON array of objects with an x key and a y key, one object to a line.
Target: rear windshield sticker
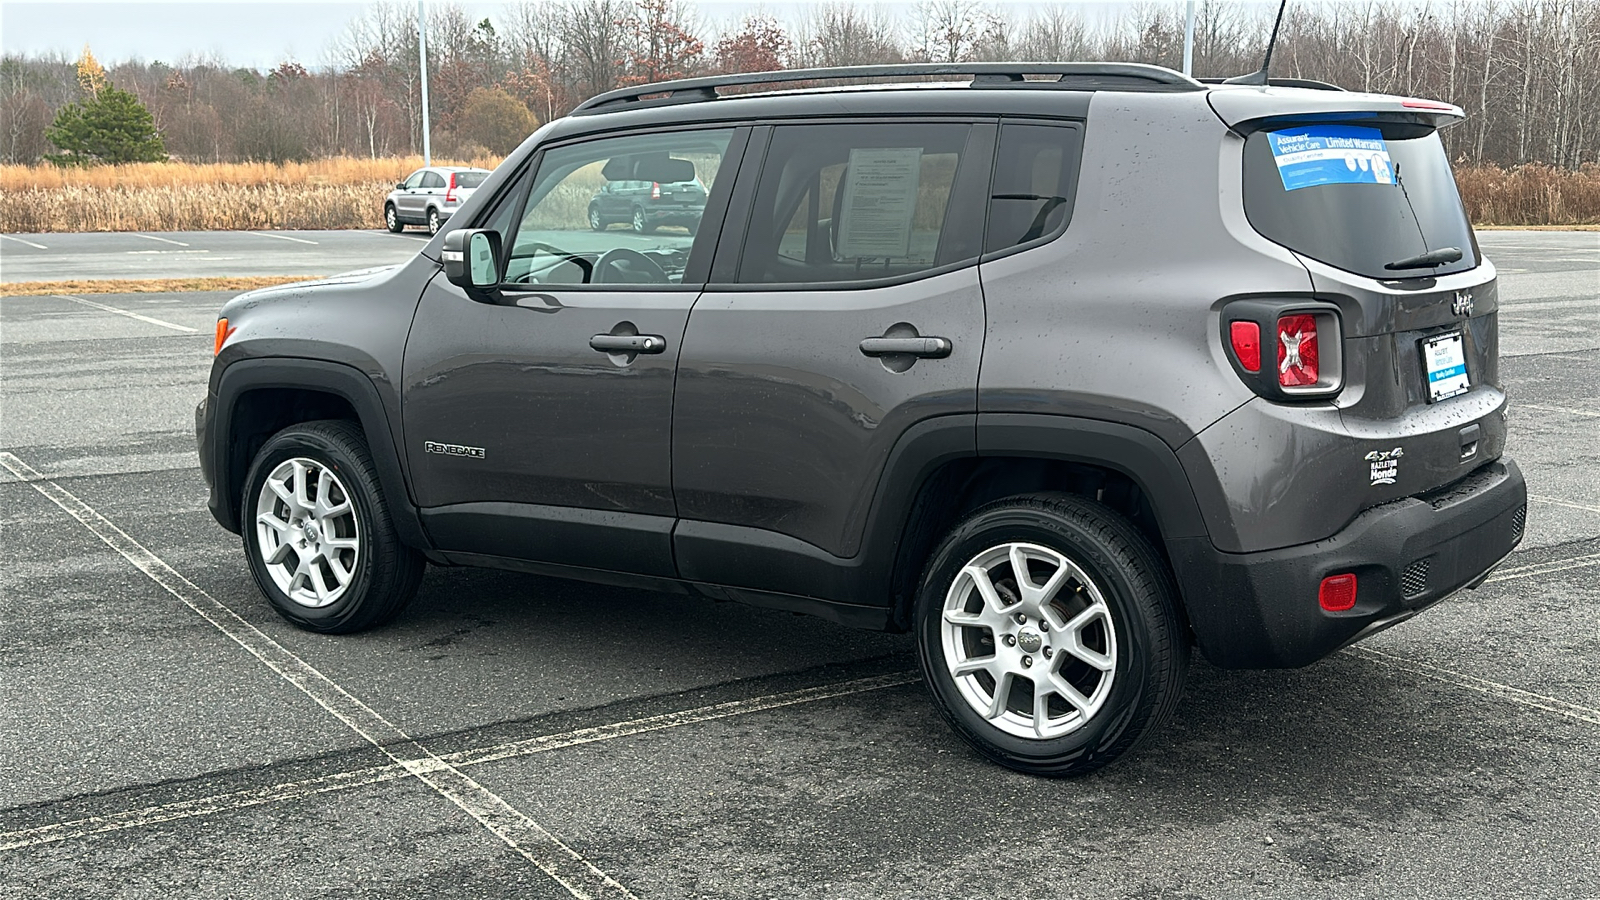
[{"x": 1331, "y": 154}]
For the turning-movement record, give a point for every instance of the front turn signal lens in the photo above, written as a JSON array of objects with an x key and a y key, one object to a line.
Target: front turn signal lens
[
  {"x": 223, "y": 333},
  {"x": 1337, "y": 593}
]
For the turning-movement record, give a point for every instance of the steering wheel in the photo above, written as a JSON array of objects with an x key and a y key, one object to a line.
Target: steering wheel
[{"x": 644, "y": 265}]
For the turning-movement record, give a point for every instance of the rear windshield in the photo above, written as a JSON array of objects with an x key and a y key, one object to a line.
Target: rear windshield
[
  {"x": 1356, "y": 198},
  {"x": 470, "y": 179}
]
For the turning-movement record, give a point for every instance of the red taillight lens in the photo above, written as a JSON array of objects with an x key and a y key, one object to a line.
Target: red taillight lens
[
  {"x": 1246, "y": 340},
  {"x": 655, "y": 190},
  {"x": 1297, "y": 351},
  {"x": 1337, "y": 593},
  {"x": 450, "y": 192}
]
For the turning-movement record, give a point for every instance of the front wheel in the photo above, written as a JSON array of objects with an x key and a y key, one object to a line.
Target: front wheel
[
  {"x": 391, "y": 219},
  {"x": 641, "y": 225},
  {"x": 1049, "y": 634},
  {"x": 596, "y": 221},
  {"x": 317, "y": 531}
]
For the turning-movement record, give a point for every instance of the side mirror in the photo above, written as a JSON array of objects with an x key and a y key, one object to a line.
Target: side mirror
[
  {"x": 400, "y": 185},
  {"x": 472, "y": 259}
]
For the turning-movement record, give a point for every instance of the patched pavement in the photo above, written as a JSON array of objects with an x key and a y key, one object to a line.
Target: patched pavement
[{"x": 661, "y": 746}]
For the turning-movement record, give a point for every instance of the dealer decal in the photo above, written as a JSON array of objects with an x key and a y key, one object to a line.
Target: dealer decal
[
  {"x": 1331, "y": 154},
  {"x": 1385, "y": 465}
]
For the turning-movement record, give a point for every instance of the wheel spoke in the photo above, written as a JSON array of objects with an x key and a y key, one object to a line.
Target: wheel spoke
[
  {"x": 283, "y": 552},
  {"x": 282, "y": 490},
  {"x": 1075, "y": 645},
  {"x": 302, "y": 495},
  {"x": 318, "y": 584},
  {"x": 1002, "y": 695},
  {"x": 1069, "y": 693},
  {"x": 994, "y": 607},
  {"x": 340, "y": 543},
  {"x": 337, "y": 567},
  {"x": 973, "y": 666},
  {"x": 273, "y": 522},
  {"x": 1041, "y": 707}
]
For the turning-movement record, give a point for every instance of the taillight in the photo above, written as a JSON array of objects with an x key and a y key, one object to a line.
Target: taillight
[
  {"x": 1285, "y": 349},
  {"x": 1297, "y": 351},
  {"x": 223, "y": 333},
  {"x": 1246, "y": 340},
  {"x": 655, "y": 190},
  {"x": 1337, "y": 593},
  {"x": 450, "y": 192}
]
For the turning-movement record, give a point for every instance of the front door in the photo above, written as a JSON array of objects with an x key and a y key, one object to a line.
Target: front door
[
  {"x": 854, "y": 313},
  {"x": 409, "y": 201},
  {"x": 538, "y": 425}
]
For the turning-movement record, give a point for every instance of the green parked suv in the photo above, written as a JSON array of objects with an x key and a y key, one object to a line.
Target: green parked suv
[{"x": 1066, "y": 368}]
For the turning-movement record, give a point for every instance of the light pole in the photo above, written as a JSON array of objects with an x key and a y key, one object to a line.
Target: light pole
[
  {"x": 1189, "y": 45},
  {"x": 422, "y": 60}
]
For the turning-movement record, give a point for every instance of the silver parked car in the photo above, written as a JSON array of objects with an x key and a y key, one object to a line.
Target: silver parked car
[{"x": 429, "y": 196}]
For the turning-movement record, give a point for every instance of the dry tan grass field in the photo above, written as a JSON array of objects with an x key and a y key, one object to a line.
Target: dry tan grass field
[{"x": 348, "y": 193}]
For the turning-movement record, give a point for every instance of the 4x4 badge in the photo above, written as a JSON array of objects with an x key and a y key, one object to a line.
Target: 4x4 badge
[
  {"x": 1462, "y": 304},
  {"x": 1385, "y": 465}
]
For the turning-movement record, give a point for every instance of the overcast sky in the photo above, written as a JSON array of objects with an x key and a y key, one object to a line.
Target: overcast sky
[{"x": 263, "y": 34}]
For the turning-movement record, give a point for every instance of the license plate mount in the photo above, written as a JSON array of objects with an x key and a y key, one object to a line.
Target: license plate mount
[{"x": 1444, "y": 366}]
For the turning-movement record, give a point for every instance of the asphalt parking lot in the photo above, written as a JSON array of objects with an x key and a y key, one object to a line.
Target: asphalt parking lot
[{"x": 165, "y": 735}]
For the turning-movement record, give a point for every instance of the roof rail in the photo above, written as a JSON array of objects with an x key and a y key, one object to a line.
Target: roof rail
[
  {"x": 1284, "y": 82},
  {"x": 988, "y": 74}
]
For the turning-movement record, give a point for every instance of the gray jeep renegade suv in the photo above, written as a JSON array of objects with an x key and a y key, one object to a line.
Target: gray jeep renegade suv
[{"x": 1066, "y": 368}]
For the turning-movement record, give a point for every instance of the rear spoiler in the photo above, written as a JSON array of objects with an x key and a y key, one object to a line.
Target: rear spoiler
[{"x": 1248, "y": 109}]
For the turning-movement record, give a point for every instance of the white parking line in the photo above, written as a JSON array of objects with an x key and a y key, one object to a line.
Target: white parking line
[
  {"x": 1553, "y": 501},
  {"x": 151, "y": 237},
  {"x": 21, "y": 241},
  {"x": 340, "y": 781},
  {"x": 1482, "y": 685},
  {"x": 281, "y": 237},
  {"x": 132, "y": 315},
  {"x": 1534, "y": 570},
  {"x": 1559, "y": 409},
  {"x": 528, "y": 838}
]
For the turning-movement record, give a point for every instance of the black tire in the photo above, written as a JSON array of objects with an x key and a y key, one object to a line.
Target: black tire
[
  {"x": 391, "y": 219},
  {"x": 385, "y": 573},
  {"x": 433, "y": 221},
  {"x": 1151, "y": 646}
]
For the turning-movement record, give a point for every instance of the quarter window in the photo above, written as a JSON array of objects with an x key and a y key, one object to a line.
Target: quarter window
[
  {"x": 622, "y": 210},
  {"x": 432, "y": 180},
  {"x": 840, "y": 203},
  {"x": 1035, "y": 178}
]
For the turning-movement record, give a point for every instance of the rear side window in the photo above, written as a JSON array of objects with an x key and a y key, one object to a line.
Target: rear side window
[
  {"x": 839, "y": 203},
  {"x": 1035, "y": 178},
  {"x": 1356, "y": 198},
  {"x": 470, "y": 179}
]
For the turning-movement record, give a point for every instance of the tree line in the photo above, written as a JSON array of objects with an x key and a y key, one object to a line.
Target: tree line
[{"x": 1526, "y": 71}]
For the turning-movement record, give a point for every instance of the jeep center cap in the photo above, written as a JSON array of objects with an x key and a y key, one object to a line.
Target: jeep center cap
[{"x": 1029, "y": 640}]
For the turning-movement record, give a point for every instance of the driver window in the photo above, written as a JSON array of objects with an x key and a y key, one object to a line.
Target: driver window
[
  {"x": 415, "y": 181},
  {"x": 620, "y": 210}
]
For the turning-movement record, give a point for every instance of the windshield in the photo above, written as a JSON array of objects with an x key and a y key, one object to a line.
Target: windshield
[{"x": 1356, "y": 198}]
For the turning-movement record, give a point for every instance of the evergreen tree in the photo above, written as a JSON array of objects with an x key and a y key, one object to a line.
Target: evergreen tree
[{"x": 109, "y": 126}]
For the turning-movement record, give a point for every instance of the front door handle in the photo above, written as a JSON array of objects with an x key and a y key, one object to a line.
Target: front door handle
[
  {"x": 924, "y": 347},
  {"x": 628, "y": 343}
]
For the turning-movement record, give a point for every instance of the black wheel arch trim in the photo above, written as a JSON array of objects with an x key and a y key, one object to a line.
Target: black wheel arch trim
[{"x": 346, "y": 382}]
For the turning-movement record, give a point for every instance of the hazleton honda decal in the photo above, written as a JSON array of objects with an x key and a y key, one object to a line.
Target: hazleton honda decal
[
  {"x": 453, "y": 449},
  {"x": 1385, "y": 465}
]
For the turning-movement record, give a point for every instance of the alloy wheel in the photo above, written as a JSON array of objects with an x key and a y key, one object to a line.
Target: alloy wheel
[
  {"x": 1029, "y": 640},
  {"x": 307, "y": 533}
]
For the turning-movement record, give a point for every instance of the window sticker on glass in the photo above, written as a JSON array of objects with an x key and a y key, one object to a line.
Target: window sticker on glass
[
  {"x": 1331, "y": 154},
  {"x": 880, "y": 195}
]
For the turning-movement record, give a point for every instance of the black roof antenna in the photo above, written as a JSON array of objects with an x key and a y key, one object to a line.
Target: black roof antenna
[{"x": 1261, "y": 76}]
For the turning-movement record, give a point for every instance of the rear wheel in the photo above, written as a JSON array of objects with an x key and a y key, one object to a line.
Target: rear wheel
[
  {"x": 1049, "y": 634},
  {"x": 433, "y": 221},
  {"x": 317, "y": 531},
  {"x": 391, "y": 219}
]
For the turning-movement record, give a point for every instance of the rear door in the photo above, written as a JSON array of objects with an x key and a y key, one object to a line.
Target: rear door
[
  {"x": 1421, "y": 344},
  {"x": 538, "y": 425},
  {"x": 849, "y": 312}
]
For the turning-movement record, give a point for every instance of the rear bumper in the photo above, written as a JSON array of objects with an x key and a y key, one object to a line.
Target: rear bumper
[{"x": 1260, "y": 610}]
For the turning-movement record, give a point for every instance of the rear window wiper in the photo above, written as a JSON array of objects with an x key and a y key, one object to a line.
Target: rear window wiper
[{"x": 1427, "y": 260}]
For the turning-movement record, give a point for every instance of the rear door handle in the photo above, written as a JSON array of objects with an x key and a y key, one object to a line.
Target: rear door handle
[
  {"x": 628, "y": 343},
  {"x": 925, "y": 347}
]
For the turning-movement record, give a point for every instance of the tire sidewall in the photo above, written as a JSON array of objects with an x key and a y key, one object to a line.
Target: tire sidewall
[
  {"x": 1133, "y": 672},
  {"x": 391, "y": 219},
  {"x": 433, "y": 221},
  {"x": 289, "y": 444}
]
